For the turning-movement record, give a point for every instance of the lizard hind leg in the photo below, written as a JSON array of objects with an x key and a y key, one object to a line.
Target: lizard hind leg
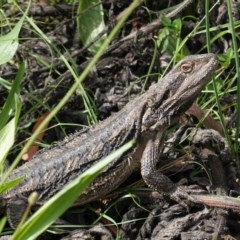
[{"x": 15, "y": 210}]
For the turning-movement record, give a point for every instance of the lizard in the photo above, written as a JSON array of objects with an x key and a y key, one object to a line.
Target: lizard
[{"x": 144, "y": 119}]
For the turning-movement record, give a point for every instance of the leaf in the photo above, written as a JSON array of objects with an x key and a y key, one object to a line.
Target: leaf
[
  {"x": 9, "y": 42},
  {"x": 10, "y": 104},
  {"x": 169, "y": 37},
  {"x": 7, "y": 131},
  {"x": 7, "y": 135},
  {"x": 53, "y": 208},
  {"x": 90, "y": 23},
  {"x": 226, "y": 58}
]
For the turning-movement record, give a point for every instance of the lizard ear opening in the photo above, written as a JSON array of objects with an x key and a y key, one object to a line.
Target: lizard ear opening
[{"x": 15, "y": 211}]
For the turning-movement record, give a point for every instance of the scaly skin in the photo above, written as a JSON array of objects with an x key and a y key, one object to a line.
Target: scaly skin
[{"x": 141, "y": 119}]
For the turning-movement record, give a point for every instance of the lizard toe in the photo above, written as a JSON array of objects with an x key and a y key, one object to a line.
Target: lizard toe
[{"x": 182, "y": 197}]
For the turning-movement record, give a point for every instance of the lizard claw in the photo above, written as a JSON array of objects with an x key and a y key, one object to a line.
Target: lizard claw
[{"x": 182, "y": 197}]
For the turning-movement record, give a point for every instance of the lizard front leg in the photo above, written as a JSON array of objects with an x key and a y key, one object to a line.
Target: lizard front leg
[{"x": 157, "y": 180}]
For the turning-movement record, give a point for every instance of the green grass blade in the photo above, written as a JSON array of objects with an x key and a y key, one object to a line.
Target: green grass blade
[
  {"x": 7, "y": 135},
  {"x": 234, "y": 35},
  {"x": 214, "y": 82},
  {"x": 2, "y": 223},
  {"x": 50, "y": 211},
  {"x": 10, "y": 104},
  {"x": 8, "y": 185}
]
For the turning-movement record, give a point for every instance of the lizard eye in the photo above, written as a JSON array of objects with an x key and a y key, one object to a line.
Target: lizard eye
[{"x": 187, "y": 67}]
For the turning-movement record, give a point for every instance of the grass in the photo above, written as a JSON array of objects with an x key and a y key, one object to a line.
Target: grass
[
  {"x": 169, "y": 40},
  {"x": 237, "y": 63},
  {"x": 24, "y": 231}
]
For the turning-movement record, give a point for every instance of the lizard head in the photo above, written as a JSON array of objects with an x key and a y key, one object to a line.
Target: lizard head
[{"x": 175, "y": 93}]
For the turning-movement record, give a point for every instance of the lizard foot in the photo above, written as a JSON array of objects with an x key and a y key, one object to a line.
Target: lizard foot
[
  {"x": 15, "y": 210},
  {"x": 181, "y": 196}
]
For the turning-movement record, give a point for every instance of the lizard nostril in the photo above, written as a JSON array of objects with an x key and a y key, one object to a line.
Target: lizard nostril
[{"x": 166, "y": 95}]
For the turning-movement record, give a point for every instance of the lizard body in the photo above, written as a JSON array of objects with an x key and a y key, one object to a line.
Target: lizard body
[{"x": 144, "y": 119}]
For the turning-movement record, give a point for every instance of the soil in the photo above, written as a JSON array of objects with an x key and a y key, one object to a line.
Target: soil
[{"x": 122, "y": 73}]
